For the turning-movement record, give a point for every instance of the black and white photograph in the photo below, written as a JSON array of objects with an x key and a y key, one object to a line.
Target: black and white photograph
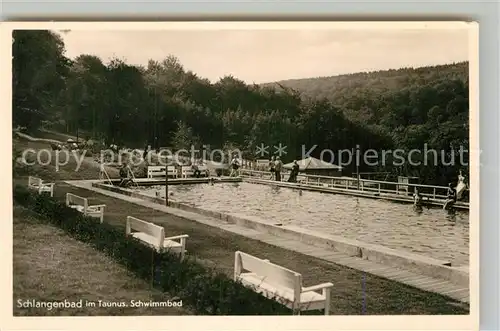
[{"x": 255, "y": 169}]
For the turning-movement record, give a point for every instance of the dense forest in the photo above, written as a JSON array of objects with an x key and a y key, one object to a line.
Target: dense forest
[{"x": 165, "y": 104}]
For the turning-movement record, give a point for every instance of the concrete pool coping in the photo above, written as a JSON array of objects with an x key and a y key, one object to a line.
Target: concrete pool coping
[
  {"x": 180, "y": 181},
  {"x": 313, "y": 188},
  {"x": 352, "y": 192},
  {"x": 420, "y": 264}
]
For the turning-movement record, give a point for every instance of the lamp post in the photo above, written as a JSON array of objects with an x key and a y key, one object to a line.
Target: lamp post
[
  {"x": 357, "y": 173},
  {"x": 166, "y": 186},
  {"x": 357, "y": 166},
  {"x": 155, "y": 139}
]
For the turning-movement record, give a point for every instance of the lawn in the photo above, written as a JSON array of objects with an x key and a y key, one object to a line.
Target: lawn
[
  {"x": 51, "y": 266},
  {"x": 54, "y": 135}
]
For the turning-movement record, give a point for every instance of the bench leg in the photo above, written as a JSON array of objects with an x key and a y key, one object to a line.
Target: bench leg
[
  {"x": 183, "y": 248},
  {"x": 326, "y": 293}
]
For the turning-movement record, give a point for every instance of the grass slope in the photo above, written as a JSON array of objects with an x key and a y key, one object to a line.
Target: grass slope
[{"x": 51, "y": 266}]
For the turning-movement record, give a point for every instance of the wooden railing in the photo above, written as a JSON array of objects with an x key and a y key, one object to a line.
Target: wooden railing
[{"x": 364, "y": 185}]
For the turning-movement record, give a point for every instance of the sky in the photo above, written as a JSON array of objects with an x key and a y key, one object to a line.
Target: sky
[{"x": 259, "y": 56}]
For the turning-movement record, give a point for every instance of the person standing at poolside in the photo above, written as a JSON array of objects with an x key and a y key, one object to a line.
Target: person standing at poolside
[
  {"x": 145, "y": 152},
  {"x": 271, "y": 168},
  {"x": 461, "y": 178},
  {"x": 294, "y": 172},
  {"x": 461, "y": 186},
  {"x": 277, "y": 169},
  {"x": 235, "y": 165}
]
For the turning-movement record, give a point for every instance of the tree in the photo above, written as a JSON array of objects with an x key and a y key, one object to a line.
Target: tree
[
  {"x": 39, "y": 71},
  {"x": 184, "y": 138},
  {"x": 86, "y": 95}
]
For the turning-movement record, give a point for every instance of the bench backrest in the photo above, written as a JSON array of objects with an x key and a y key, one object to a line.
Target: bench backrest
[
  {"x": 72, "y": 199},
  {"x": 34, "y": 181},
  {"x": 156, "y": 168},
  {"x": 273, "y": 274},
  {"x": 149, "y": 228},
  {"x": 186, "y": 168},
  {"x": 161, "y": 169}
]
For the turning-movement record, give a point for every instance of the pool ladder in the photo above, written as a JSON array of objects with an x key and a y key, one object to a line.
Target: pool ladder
[
  {"x": 132, "y": 175},
  {"x": 103, "y": 175}
]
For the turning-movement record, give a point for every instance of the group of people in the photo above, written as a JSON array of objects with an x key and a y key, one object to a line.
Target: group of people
[{"x": 276, "y": 166}]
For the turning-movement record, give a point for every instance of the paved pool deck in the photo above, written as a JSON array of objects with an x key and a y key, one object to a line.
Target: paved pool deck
[{"x": 447, "y": 288}]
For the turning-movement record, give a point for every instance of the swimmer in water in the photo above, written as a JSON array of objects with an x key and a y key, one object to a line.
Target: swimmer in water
[{"x": 417, "y": 200}]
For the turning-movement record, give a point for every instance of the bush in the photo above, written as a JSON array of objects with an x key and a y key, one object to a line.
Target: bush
[{"x": 207, "y": 292}]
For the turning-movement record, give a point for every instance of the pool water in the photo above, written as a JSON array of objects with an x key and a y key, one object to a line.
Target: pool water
[{"x": 431, "y": 232}]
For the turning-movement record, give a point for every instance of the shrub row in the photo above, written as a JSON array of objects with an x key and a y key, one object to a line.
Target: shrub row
[{"x": 205, "y": 291}]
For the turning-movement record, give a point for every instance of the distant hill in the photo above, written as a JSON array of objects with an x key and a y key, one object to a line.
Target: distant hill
[{"x": 355, "y": 92}]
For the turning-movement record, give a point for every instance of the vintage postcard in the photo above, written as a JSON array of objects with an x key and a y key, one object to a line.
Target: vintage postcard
[{"x": 324, "y": 175}]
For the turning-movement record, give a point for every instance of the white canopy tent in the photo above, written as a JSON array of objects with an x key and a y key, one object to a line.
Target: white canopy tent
[{"x": 312, "y": 163}]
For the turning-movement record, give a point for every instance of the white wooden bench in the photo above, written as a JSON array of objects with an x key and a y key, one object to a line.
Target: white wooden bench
[
  {"x": 156, "y": 171},
  {"x": 82, "y": 205},
  {"x": 154, "y": 236},
  {"x": 37, "y": 184},
  {"x": 172, "y": 171},
  {"x": 280, "y": 284},
  {"x": 187, "y": 171}
]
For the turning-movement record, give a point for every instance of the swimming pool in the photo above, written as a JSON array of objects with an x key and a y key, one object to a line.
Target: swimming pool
[{"x": 432, "y": 232}]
